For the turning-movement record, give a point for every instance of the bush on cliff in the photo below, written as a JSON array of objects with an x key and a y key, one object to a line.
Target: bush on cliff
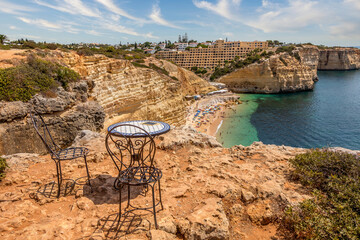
[
  {"x": 34, "y": 76},
  {"x": 3, "y": 166},
  {"x": 229, "y": 67},
  {"x": 334, "y": 211}
]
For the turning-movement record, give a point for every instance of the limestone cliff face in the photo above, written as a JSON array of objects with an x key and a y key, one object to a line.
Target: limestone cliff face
[
  {"x": 128, "y": 92},
  {"x": 339, "y": 59},
  {"x": 279, "y": 73},
  {"x": 192, "y": 83},
  {"x": 309, "y": 56}
]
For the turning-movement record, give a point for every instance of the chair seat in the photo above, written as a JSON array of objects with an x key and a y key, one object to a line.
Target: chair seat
[
  {"x": 139, "y": 175},
  {"x": 71, "y": 153}
]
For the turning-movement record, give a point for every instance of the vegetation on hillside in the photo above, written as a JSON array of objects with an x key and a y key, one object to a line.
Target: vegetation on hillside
[
  {"x": 138, "y": 63},
  {"x": 334, "y": 211},
  {"x": 113, "y": 52},
  {"x": 3, "y": 166},
  {"x": 230, "y": 66},
  {"x": 33, "y": 76}
]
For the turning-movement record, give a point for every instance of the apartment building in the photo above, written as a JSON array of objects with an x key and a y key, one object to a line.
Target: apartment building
[{"x": 213, "y": 55}]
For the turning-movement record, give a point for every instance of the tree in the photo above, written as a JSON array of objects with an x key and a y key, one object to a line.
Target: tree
[
  {"x": 147, "y": 44},
  {"x": 3, "y": 38}
]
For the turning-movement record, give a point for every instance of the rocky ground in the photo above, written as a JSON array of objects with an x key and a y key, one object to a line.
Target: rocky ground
[{"x": 209, "y": 192}]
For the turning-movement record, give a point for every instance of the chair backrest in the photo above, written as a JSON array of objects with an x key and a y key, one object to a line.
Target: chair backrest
[
  {"x": 44, "y": 133},
  {"x": 130, "y": 146}
]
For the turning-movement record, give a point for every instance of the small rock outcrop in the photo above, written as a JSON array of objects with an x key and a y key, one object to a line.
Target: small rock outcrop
[
  {"x": 66, "y": 114},
  {"x": 278, "y": 74}
]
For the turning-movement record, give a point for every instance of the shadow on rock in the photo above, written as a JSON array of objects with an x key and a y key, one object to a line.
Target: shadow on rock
[
  {"x": 104, "y": 191},
  {"x": 111, "y": 227}
]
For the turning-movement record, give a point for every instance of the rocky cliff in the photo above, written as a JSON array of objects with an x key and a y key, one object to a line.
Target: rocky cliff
[
  {"x": 112, "y": 90},
  {"x": 309, "y": 56},
  {"x": 129, "y": 92},
  {"x": 279, "y": 73},
  {"x": 339, "y": 59}
]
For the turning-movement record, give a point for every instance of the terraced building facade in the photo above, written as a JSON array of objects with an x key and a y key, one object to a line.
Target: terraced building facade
[{"x": 213, "y": 55}]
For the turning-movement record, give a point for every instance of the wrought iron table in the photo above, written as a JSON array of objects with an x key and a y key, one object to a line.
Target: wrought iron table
[
  {"x": 132, "y": 148},
  {"x": 154, "y": 128}
]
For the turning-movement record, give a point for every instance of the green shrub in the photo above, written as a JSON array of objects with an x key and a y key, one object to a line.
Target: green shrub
[
  {"x": 158, "y": 69},
  {"x": 3, "y": 166},
  {"x": 4, "y": 47},
  {"x": 288, "y": 49},
  {"x": 85, "y": 52},
  {"x": 127, "y": 57},
  {"x": 34, "y": 76},
  {"x": 283, "y": 60},
  {"x": 334, "y": 212},
  {"x": 136, "y": 64},
  {"x": 175, "y": 78}
]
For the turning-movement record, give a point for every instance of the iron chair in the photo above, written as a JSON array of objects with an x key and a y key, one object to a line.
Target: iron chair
[
  {"x": 133, "y": 155},
  {"x": 57, "y": 154}
]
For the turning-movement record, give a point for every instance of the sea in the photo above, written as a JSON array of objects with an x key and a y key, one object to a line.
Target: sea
[{"x": 328, "y": 116}]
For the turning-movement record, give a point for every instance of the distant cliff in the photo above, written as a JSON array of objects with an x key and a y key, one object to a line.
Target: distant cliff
[
  {"x": 339, "y": 59},
  {"x": 280, "y": 73}
]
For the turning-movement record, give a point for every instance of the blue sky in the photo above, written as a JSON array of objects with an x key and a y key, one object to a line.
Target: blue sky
[{"x": 329, "y": 22}]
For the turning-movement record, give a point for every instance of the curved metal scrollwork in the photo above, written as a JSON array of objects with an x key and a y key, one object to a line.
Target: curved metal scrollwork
[{"x": 130, "y": 150}]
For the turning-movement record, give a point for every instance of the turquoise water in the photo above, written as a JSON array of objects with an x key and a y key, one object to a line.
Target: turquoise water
[{"x": 327, "y": 116}]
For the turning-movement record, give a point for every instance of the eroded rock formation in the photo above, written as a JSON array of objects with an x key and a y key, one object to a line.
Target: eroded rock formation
[
  {"x": 129, "y": 92},
  {"x": 279, "y": 73}
]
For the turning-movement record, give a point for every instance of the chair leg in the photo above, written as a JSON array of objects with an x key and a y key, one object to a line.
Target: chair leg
[
  {"x": 153, "y": 198},
  {"x": 128, "y": 202},
  {"x": 59, "y": 177},
  {"x": 120, "y": 203},
  {"x": 162, "y": 207},
  {"x": 87, "y": 171}
]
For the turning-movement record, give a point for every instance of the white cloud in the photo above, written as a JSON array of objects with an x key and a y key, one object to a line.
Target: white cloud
[
  {"x": 224, "y": 8},
  {"x": 118, "y": 28},
  {"x": 13, "y": 27},
  {"x": 93, "y": 32},
  {"x": 49, "y": 25},
  {"x": 40, "y": 22},
  {"x": 12, "y": 8},
  {"x": 150, "y": 35},
  {"x": 228, "y": 34},
  {"x": 296, "y": 15},
  {"x": 110, "y": 5},
  {"x": 75, "y": 7},
  {"x": 115, "y": 17},
  {"x": 155, "y": 16},
  {"x": 353, "y": 3},
  {"x": 346, "y": 30}
]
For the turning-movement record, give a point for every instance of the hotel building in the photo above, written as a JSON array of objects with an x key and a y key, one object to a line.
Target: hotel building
[{"x": 213, "y": 55}]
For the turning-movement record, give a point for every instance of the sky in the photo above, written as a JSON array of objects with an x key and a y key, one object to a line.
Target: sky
[{"x": 328, "y": 22}]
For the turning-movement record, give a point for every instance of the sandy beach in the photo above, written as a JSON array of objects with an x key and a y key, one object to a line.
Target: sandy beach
[{"x": 206, "y": 115}]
